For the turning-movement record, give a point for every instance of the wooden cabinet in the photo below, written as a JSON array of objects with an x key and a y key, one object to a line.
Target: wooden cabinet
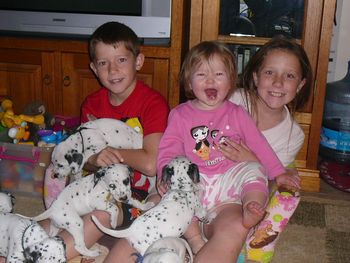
[
  {"x": 21, "y": 75},
  {"x": 57, "y": 72},
  {"x": 315, "y": 38},
  {"x": 77, "y": 81}
]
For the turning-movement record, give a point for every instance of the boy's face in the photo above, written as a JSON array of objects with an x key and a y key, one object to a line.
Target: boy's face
[{"x": 116, "y": 68}]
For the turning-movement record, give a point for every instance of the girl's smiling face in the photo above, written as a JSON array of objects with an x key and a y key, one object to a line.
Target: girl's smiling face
[
  {"x": 210, "y": 83},
  {"x": 278, "y": 79}
]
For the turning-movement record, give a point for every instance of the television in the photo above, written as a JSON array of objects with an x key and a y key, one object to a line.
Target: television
[{"x": 150, "y": 19}]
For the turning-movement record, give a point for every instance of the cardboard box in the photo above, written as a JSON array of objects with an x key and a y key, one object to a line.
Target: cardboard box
[{"x": 22, "y": 168}]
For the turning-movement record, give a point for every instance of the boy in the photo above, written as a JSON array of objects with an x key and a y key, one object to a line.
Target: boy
[{"x": 115, "y": 59}]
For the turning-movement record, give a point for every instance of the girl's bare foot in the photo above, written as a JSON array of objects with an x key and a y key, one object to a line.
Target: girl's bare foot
[{"x": 253, "y": 212}]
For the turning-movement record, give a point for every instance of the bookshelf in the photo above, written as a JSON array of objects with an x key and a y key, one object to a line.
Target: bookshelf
[{"x": 311, "y": 25}]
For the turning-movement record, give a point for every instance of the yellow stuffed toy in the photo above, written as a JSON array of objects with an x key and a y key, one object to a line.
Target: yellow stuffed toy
[
  {"x": 9, "y": 119},
  {"x": 17, "y": 124}
]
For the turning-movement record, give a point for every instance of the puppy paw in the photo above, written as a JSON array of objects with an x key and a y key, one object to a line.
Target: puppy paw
[
  {"x": 208, "y": 218},
  {"x": 204, "y": 220}
]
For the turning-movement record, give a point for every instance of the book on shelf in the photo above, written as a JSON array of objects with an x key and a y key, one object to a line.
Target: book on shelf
[
  {"x": 246, "y": 56},
  {"x": 240, "y": 60},
  {"x": 243, "y": 54}
]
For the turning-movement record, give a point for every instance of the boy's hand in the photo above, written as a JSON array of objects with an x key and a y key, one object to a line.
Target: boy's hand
[
  {"x": 91, "y": 117},
  {"x": 236, "y": 151},
  {"x": 107, "y": 156},
  {"x": 289, "y": 179}
]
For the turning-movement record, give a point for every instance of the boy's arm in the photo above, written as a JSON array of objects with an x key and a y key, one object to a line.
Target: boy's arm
[{"x": 142, "y": 160}]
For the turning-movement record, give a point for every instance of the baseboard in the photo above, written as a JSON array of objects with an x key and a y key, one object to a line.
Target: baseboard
[{"x": 310, "y": 180}]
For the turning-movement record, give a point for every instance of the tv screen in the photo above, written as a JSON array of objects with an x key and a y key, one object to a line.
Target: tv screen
[
  {"x": 150, "y": 19},
  {"x": 106, "y": 7}
]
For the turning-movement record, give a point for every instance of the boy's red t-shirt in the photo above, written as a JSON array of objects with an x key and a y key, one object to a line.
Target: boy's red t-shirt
[{"x": 144, "y": 106}]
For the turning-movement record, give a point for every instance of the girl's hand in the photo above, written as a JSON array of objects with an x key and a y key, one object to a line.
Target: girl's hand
[
  {"x": 236, "y": 151},
  {"x": 289, "y": 179},
  {"x": 107, "y": 156}
]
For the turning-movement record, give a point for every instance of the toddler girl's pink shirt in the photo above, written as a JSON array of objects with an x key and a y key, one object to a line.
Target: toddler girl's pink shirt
[{"x": 195, "y": 133}]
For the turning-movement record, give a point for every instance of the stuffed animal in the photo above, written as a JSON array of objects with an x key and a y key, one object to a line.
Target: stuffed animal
[
  {"x": 6, "y": 104},
  {"x": 23, "y": 127},
  {"x": 38, "y": 108},
  {"x": 10, "y": 119},
  {"x": 19, "y": 133},
  {"x": 34, "y": 109}
]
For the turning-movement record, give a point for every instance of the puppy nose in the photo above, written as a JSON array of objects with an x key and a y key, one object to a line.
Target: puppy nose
[
  {"x": 55, "y": 175},
  {"x": 124, "y": 198}
]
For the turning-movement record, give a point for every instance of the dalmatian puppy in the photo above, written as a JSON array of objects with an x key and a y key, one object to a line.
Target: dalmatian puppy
[
  {"x": 7, "y": 201},
  {"x": 97, "y": 191},
  {"x": 69, "y": 156},
  {"x": 172, "y": 215},
  {"x": 167, "y": 250},
  {"x": 24, "y": 240}
]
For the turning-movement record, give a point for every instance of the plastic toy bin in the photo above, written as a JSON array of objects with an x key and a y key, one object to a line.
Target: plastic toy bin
[{"x": 22, "y": 168}]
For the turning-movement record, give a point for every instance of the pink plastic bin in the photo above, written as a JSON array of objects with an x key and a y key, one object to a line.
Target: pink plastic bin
[{"x": 22, "y": 168}]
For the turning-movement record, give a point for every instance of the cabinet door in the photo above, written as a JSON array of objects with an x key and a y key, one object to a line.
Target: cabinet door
[
  {"x": 155, "y": 74},
  {"x": 22, "y": 77},
  {"x": 78, "y": 80}
]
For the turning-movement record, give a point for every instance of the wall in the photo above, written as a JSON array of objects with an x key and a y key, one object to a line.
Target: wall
[{"x": 340, "y": 47}]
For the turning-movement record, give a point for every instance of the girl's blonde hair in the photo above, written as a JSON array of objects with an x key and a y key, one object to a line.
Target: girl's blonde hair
[{"x": 205, "y": 51}]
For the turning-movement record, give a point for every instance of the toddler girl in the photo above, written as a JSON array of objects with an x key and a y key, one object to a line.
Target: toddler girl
[{"x": 202, "y": 129}]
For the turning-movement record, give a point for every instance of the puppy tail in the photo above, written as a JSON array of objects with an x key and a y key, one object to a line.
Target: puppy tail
[
  {"x": 44, "y": 215},
  {"x": 108, "y": 231},
  {"x": 188, "y": 248}
]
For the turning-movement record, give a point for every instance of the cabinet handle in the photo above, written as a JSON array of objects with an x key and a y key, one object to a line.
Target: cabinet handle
[
  {"x": 47, "y": 79},
  {"x": 66, "y": 81}
]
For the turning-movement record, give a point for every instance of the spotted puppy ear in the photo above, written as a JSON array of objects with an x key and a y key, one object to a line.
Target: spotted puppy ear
[
  {"x": 74, "y": 157},
  {"x": 167, "y": 173},
  {"x": 98, "y": 175},
  {"x": 193, "y": 173},
  {"x": 31, "y": 257},
  {"x": 12, "y": 197}
]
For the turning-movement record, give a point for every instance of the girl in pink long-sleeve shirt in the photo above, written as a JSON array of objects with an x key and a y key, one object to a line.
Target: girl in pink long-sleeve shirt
[{"x": 205, "y": 129}]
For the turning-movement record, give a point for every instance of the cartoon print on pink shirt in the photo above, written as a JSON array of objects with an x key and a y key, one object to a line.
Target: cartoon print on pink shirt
[
  {"x": 214, "y": 134},
  {"x": 200, "y": 134}
]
